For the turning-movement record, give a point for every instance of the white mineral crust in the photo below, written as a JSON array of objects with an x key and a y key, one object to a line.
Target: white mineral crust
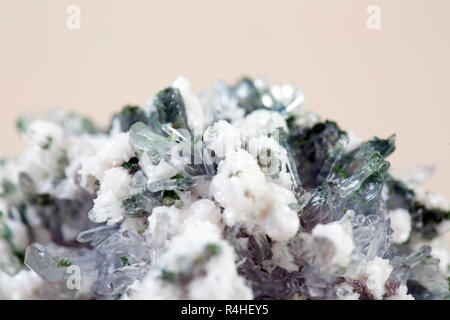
[
  {"x": 340, "y": 235},
  {"x": 241, "y": 188}
]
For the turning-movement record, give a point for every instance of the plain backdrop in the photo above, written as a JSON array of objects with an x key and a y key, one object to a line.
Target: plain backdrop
[{"x": 373, "y": 82}]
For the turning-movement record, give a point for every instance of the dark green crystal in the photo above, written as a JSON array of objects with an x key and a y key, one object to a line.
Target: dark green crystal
[
  {"x": 213, "y": 249},
  {"x": 132, "y": 165},
  {"x": 171, "y": 109},
  {"x": 64, "y": 262},
  {"x": 315, "y": 150},
  {"x": 125, "y": 262},
  {"x": 129, "y": 115}
]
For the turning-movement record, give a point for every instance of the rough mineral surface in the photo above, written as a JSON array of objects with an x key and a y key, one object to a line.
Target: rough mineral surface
[{"x": 236, "y": 193}]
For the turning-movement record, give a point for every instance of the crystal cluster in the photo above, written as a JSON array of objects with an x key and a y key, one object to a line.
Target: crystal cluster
[{"x": 236, "y": 193}]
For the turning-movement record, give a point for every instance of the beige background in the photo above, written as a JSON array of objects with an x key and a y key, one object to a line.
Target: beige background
[{"x": 395, "y": 80}]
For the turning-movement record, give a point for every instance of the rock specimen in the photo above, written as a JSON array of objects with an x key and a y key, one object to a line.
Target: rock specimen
[{"x": 237, "y": 193}]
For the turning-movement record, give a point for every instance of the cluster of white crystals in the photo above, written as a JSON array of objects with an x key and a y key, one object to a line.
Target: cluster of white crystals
[
  {"x": 240, "y": 187},
  {"x": 247, "y": 219}
]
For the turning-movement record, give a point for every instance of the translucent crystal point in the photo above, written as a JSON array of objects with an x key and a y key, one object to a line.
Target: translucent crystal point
[
  {"x": 39, "y": 259},
  {"x": 95, "y": 235},
  {"x": 354, "y": 160},
  {"x": 139, "y": 204},
  {"x": 144, "y": 140},
  {"x": 416, "y": 257},
  {"x": 375, "y": 164},
  {"x": 371, "y": 235},
  {"x": 184, "y": 183}
]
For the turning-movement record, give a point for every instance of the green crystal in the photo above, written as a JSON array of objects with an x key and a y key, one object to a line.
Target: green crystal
[
  {"x": 213, "y": 249},
  {"x": 184, "y": 183},
  {"x": 352, "y": 161},
  {"x": 130, "y": 115},
  {"x": 168, "y": 275},
  {"x": 375, "y": 164},
  {"x": 125, "y": 262},
  {"x": 64, "y": 262},
  {"x": 132, "y": 165},
  {"x": 171, "y": 109},
  {"x": 137, "y": 205}
]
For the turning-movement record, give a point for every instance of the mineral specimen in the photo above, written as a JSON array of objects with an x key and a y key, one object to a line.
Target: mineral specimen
[{"x": 239, "y": 193}]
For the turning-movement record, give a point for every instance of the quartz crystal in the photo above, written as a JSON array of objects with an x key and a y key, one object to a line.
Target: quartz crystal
[{"x": 236, "y": 193}]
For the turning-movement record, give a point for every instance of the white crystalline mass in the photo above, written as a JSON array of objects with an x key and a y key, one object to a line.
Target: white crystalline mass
[
  {"x": 435, "y": 200},
  {"x": 166, "y": 222},
  {"x": 402, "y": 294},
  {"x": 272, "y": 159},
  {"x": 221, "y": 138},
  {"x": 42, "y": 159},
  {"x": 279, "y": 219},
  {"x": 157, "y": 172},
  {"x": 114, "y": 185},
  {"x": 5, "y": 253},
  {"x": 203, "y": 210},
  {"x": 20, "y": 237},
  {"x": 44, "y": 134},
  {"x": 344, "y": 291},
  {"x": 217, "y": 279},
  {"x": 340, "y": 235},
  {"x": 80, "y": 149},
  {"x": 260, "y": 206},
  {"x": 239, "y": 183},
  {"x": 115, "y": 152},
  {"x": 24, "y": 285},
  {"x": 400, "y": 224},
  {"x": 374, "y": 274}
]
